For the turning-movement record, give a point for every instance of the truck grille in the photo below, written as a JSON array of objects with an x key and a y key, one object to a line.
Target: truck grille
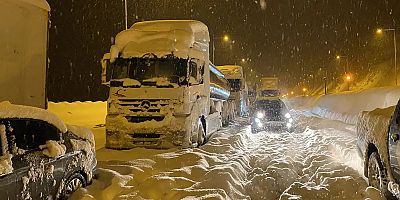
[
  {"x": 144, "y": 105},
  {"x": 139, "y": 119},
  {"x": 145, "y": 139},
  {"x": 145, "y": 135}
]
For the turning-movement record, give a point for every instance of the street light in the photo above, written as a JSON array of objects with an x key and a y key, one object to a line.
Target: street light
[
  {"x": 348, "y": 79},
  {"x": 379, "y": 32},
  {"x": 226, "y": 38},
  {"x": 304, "y": 91}
]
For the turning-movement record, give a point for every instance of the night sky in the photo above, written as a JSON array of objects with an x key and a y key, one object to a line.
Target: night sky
[{"x": 294, "y": 40}]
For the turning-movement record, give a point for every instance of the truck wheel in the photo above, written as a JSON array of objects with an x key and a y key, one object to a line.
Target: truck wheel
[{"x": 377, "y": 175}]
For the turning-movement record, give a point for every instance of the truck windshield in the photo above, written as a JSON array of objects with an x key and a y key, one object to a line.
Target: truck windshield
[{"x": 170, "y": 67}]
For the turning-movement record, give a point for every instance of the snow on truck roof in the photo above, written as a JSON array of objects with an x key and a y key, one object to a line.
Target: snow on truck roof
[
  {"x": 183, "y": 38},
  {"x": 38, "y": 3},
  {"x": 231, "y": 71},
  {"x": 11, "y": 111}
]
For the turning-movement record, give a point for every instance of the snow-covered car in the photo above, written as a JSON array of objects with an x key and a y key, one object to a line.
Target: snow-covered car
[
  {"x": 41, "y": 157},
  {"x": 270, "y": 114},
  {"x": 378, "y": 142}
]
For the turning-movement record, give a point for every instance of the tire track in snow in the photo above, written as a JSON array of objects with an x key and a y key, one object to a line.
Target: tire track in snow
[{"x": 236, "y": 164}]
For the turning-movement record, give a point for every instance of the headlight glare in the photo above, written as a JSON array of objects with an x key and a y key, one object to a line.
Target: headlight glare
[
  {"x": 260, "y": 115},
  {"x": 287, "y": 115}
]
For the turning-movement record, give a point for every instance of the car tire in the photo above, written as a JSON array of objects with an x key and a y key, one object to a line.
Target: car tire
[
  {"x": 73, "y": 183},
  {"x": 377, "y": 176}
]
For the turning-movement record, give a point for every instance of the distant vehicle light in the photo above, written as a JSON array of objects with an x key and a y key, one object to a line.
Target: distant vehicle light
[
  {"x": 257, "y": 120},
  {"x": 290, "y": 120},
  {"x": 287, "y": 115},
  {"x": 289, "y": 125},
  {"x": 260, "y": 115}
]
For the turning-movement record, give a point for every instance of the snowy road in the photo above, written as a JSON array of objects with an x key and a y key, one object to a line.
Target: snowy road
[{"x": 317, "y": 161}]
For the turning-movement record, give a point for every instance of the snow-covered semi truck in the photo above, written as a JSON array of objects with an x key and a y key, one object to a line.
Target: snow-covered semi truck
[
  {"x": 268, "y": 88},
  {"x": 164, "y": 92},
  {"x": 23, "y": 52},
  {"x": 238, "y": 88}
]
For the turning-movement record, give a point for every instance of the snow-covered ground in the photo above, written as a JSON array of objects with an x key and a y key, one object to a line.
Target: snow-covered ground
[{"x": 318, "y": 161}]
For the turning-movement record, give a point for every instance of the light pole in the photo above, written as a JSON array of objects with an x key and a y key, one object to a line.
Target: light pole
[
  {"x": 126, "y": 14},
  {"x": 380, "y": 31}
]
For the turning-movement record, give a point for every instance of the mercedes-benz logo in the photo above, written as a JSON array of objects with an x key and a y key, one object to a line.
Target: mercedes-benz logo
[{"x": 145, "y": 106}]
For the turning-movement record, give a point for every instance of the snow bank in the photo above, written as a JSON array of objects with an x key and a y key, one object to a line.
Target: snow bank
[
  {"x": 8, "y": 110},
  {"x": 346, "y": 106}
]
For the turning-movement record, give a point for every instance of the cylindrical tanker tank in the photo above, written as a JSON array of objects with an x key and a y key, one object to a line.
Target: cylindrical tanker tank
[{"x": 219, "y": 86}]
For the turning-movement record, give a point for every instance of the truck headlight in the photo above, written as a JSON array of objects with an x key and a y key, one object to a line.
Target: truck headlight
[
  {"x": 260, "y": 115},
  {"x": 287, "y": 115}
]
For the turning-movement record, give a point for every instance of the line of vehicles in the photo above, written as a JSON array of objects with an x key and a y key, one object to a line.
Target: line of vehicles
[{"x": 165, "y": 92}]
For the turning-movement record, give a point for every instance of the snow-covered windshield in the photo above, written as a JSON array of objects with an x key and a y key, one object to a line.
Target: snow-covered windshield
[{"x": 149, "y": 67}]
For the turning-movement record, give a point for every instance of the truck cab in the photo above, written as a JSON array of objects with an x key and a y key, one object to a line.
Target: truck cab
[{"x": 162, "y": 93}]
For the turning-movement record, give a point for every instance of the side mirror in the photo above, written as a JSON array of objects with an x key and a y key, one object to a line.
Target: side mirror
[{"x": 105, "y": 63}]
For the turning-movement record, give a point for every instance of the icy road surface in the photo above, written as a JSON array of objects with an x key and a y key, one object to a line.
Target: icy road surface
[{"x": 317, "y": 161}]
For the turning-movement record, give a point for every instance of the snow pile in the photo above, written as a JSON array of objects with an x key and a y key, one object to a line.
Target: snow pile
[
  {"x": 8, "y": 110},
  {"x": 345, "y": 107},
  {"x": 83, "y": 133},
  {"x": 53, "y": 149}
]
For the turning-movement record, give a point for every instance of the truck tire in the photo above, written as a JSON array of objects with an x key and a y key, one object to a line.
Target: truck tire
[{"x": 377, "y": 176}]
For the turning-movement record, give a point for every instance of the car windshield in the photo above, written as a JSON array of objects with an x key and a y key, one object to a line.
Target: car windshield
[{"x": 172, "y": 68}]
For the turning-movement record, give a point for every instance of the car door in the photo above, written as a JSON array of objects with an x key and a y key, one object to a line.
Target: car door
[
  {"x": 36, "y": 179},
  {"x": 7, "y": 180},
  {"x": 394, "y": 143}
]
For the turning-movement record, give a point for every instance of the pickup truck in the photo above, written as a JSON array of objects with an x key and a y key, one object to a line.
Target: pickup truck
[{"x": 378, "y": 142}]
